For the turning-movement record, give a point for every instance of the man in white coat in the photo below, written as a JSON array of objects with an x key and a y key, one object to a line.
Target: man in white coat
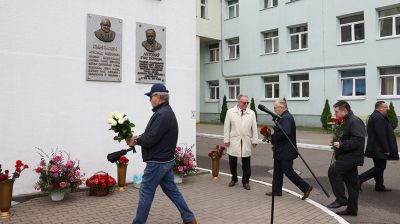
[{"x": 240, "y": 136}]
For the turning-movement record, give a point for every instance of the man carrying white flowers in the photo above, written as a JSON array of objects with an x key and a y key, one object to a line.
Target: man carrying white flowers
[{"x": 158, "y": 144}]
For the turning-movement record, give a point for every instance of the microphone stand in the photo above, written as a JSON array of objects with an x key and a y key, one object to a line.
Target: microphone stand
[{"x": 275, "y": 120}]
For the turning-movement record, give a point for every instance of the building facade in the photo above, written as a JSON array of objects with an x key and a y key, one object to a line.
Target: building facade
[{"x": 306, "y": 51}]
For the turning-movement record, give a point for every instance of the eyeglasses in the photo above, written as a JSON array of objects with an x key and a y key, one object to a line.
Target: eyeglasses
[
  {"x": 151, "y": 96},
  {"x": 245, "y": 103}
]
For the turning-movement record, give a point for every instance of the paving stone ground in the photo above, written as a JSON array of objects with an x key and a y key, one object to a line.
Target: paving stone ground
[{"x": 212, "y": 203}]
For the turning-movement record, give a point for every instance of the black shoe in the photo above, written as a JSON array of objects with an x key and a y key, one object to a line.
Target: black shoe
[
  {"x": 307, "y": 193},
  {"x": 384, "y": 190},
  {"x": 345, "y": 212},
  {"x": 276, "y": 194},
  {"x": 246, "y": 186},
  {"x": 335, "y": 205},
  {"x": 232, "y": 183}
]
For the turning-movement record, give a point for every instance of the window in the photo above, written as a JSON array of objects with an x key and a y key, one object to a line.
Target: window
[
  {"x": 233, "y": 48},
  {"x": 353, "y": 82},
  {"x": 203, "y": 9},
  {"x": 233, "y": 88},
  {"x": 298, "y": 37},
  {"x": 299, "y": 86},
  {"x": 271, "y": 42},
  {"x": 271, "y": 87},
  {"x": 270, "y": 3},
  {"x": 390, "y": 81},
  {"x": 389, "y": 22},
  {"x": 213, "y": 90},
  {"x": 214, "y": 52},
  {"x": 233, "y": 8},
  {"x": 352, "y": 28}
]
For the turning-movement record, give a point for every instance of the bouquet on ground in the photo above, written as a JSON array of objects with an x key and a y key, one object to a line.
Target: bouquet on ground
[
  {"x": 266, "y": 132},
  {"x": 101, "y": 184},
  {"x": 121, "y": 125},
  {"x": 185, "y": 162},
  {"x": 217, "y": 153},
  {"x": 337, "y": 133},
  {"x": 58, "y": 173},
  {"x": 122, "y": 161},
  {"x": 19, "y": 167}
]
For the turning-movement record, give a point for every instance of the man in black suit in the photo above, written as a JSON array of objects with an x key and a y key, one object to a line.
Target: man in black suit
[
  {"x": 381, "y": 146},
  {"x": 349, "y": 153},
  {"x": 284, "y": 153}
]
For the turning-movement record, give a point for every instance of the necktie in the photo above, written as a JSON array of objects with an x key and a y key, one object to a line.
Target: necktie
[{"x": 242, "y": 112}]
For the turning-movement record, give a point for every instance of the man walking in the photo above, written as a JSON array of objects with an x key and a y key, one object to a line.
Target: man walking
[
  {"x": 284, "y": 153},
  {"x": 381, "y": 146},
  {"x": 349, "y": 153},
  {"x": 240, "y": 136},
  {"x": 158, "y": 146}
]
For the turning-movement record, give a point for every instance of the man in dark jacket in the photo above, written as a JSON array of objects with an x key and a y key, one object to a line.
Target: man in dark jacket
[
  {"x": 158, "y": 146},
  {"x": 381, "y": 146},
  {"x": 349, "y": 153},
  {"x": 284, "y": 153}
]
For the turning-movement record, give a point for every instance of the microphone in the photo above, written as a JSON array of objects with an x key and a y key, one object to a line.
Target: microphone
[{"x": 266, "y": 110}]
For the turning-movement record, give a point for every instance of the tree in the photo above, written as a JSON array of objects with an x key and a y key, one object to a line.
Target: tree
[
  {"x": 391, "y": 114},
  {"x": 224, "y": 109},
  {"x": 253, "y": 106},
  {"x": 326, "y": 115}
]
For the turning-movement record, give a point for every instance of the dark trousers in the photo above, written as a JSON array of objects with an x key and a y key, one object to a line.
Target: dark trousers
[
  {"x": 345, "y": 172},
  {"x": 375, "y": 172},
  {"x": 286, "y": 167},
  {"x": 245, "y": 167}
]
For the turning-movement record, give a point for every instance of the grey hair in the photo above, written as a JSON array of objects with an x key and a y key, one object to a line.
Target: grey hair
[
  {"x": 281, "y": 102},
  {"x": 163, "y": 95},
  {"x": 242, "y": 95}
]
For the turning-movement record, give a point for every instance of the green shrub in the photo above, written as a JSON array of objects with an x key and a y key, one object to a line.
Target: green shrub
[
  {"x": 326, "y": 115},
  {"x": 392, "y": 116},
  {"x": 224, "y": 109},
  {"x": 253, "y": 106}
]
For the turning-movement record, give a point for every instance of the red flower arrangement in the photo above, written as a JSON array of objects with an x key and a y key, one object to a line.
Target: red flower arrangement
[
  {"x": 122, "y": 161},
  {"x": 101, "y": 181},
  {"x": 217, "y": 153},
  {"x": 266, "y": 132},
  {"x": 337, "y": 129},
  {"x": 19, "y": 167},
  {"x": 185, "y": 162}
]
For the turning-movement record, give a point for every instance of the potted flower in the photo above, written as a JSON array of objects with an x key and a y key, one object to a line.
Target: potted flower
[
  {"x": 122, "y": 165},
  {"x": 6, "y": 187},
  {"x": 58, "y": 174},
  {"x": 185, "y": 162},
  {"x": 101, "y": 184},
  {"x": 215, "y": 156}
]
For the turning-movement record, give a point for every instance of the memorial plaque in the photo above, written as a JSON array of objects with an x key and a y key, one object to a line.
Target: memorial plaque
[
  {"x": 103, "y": 48},
  {"x": 150, "y": 53}
]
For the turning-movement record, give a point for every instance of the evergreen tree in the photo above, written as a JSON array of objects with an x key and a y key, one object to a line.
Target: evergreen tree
[
  {"x": 253, "y": 106},
  {"x": 391, "y": 114},
  {"x": 326, "y": 115},
  {"x": 224, "y": 109}
]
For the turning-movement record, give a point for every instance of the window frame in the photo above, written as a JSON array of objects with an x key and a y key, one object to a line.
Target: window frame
[
  {"x": 353, "y": 96},
  {"x": 300, "y": 82},
  {"x": 353, "y": 34},
  {"x": 395, "y": 86},
  {"x": 235, "y": 46},
  {"x": 213, "y": 88},
  {"x": 236, "y": 89},
  {"x": 203, "y": 6},
  {"x": 300, "y": 34},
  {"x": 268, "y": 6},
  {"x": 393, "y": 26},
  {"x": 273, "y": 84},
  {"x": 273, "y": 38},
  {"x": 235, "y": 10},
  {"x": 216, "y": 54}
]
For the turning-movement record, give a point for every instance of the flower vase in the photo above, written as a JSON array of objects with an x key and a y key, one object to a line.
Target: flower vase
[
  {"x": 178, "y": 179},
  {"x": 215, "y": 168},
  {"x": 6, "y": 188},
  {"x": 121, "y": 177},
  {"x": 57, "y": 196}
]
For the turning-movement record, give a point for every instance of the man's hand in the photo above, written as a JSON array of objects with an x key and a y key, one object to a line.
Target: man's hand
[
  {"x": 254, "y": 145},
  {"x": 386, "y": 153},
  {"x": 132, "y": 141},
  {"x": 227, "y": 144},
  {"x": 336, "y": 145}
]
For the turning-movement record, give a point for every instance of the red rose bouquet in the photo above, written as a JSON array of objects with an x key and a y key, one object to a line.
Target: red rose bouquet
[
  {"x": 101, "y": 182},
  {"x": 266, "y": 132},
  {"x": 217, "y": 153},
  {"x": 122, "y": 161},
  {"x": 337, "y": 133},
  {"x": 19, "y": 167}
]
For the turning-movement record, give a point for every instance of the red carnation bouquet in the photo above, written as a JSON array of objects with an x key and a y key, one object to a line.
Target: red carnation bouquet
[
  {"x": 266, "y": 132},
  {"x": 217, "y": 153},
  {"x": 19, "y": 167}
]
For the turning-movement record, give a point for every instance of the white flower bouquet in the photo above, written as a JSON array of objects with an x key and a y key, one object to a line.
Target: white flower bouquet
[{"x": 121, "y": 125}]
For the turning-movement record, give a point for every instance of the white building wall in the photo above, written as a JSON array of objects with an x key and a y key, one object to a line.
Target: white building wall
[{"x": 45, "y": 100}]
